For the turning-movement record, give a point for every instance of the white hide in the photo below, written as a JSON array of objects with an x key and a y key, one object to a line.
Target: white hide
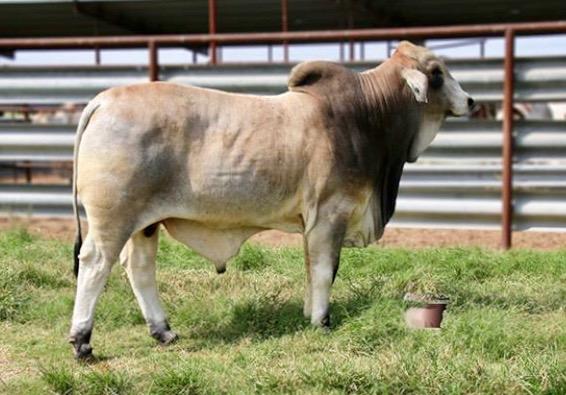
[{"x": 430, "y": 125}]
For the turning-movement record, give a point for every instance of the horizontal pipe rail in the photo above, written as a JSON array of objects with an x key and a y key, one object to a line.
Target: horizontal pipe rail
[
  {"x": 537, "y": 79},
  {"x": 473, "y": 142},
  {"x": 414, "y": 208},
  {"x": 486, "y": 30}
]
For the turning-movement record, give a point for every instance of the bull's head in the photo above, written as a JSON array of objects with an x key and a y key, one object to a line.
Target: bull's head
[{"x": 434, "y": 87}]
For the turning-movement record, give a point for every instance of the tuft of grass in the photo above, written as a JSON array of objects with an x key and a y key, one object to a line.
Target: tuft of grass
[
  {"x": 244, "y": 332},
  {"x": 105, "y": 382},
  {"x": 251, "y": 258},
  {"x": 185, "y": 380},
  {"x": 13, "y": 298},
  {"x": 65, "y": 382},
  {"x": 61, "y": 380}
]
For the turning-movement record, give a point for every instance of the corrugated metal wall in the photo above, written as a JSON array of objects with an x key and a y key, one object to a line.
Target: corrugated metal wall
[{"x": 456, "y": 183}]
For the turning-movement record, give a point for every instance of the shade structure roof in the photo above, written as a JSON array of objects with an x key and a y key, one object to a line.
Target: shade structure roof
[{"x": 60, "y": 18}]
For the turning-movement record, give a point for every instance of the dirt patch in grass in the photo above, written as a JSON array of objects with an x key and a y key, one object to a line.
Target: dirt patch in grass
[
  {"x": 8, "y": 368},
  {"x": 48, "y": 228},
  {"x": 64, "y": 229}
]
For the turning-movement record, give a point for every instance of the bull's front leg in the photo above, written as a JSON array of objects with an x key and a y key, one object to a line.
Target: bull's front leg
[
  {"x": 322, "y": 257},
  {"x": 307, "y": 307}
]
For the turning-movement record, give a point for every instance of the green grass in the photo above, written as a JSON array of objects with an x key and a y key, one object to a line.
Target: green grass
[{"x": 243, "y": 332}]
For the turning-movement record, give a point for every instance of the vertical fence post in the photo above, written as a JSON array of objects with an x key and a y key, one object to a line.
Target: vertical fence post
[
  {"x": 507, "y": 151},
  {"x": 389, "y": 48},
  {"x": 97, "y": 55},
  {"x": 153, "y": 61},
  {"x": 212, "y": 30},
  {"x": 350, "y": 27},
  {"x": 285, "y": 28}
]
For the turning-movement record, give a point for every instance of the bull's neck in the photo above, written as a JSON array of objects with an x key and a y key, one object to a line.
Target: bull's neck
[{"x": 391, "y": 107}]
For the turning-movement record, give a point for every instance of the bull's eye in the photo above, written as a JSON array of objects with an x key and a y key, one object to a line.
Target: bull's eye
[{"x": 436, "y": 78}]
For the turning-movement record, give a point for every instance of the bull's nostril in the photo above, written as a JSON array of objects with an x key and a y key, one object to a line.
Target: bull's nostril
[{"x": 470, "y": 102}]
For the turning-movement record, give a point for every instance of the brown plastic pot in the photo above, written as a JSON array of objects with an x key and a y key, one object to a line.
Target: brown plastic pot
[{"x": 428, "y": 315}]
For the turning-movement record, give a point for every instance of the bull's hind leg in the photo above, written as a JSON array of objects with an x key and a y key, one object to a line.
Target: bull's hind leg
[
  {"x": 97, "y": 256},
  {"x": 138, "y": 258}
]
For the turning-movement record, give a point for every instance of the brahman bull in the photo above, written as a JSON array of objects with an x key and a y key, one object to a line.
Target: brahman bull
[{"x": 323, "y": 159}]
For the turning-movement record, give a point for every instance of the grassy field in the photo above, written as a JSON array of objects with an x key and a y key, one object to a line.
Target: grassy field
[{"x": 243, "y": 332}]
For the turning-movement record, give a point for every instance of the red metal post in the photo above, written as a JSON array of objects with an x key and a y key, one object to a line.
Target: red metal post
[
  {"x": 212, "y": 30},
  {"x": 285, "y": 28},
  {"x": 507, "y": 152},
  {"x": 153, "y": 68},
  {"x": 351, "y": 43},
  {"x": 27, "y": 165}
]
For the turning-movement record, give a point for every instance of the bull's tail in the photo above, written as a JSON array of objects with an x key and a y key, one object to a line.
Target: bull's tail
[{"x": 83, "y": 122}]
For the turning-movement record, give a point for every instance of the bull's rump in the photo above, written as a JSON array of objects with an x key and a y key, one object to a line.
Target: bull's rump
[{"x": 192, "y": 153}]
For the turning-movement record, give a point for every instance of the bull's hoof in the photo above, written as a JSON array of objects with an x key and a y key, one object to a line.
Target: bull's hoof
[
  {"x": 163, "y": 334},
  {"x": 81, "y": 345},
  {"x": 167, "y": 337},
  {"x": 83, "y": 353},
  {"x": 323, "y": 323}
]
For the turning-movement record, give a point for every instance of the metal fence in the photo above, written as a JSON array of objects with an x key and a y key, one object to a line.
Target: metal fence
[{"x": 463, "y": 180}]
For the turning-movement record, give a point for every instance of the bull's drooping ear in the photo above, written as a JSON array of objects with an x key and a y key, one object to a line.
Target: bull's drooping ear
[
  {"x": 310, "y": 74},
  {"x": 418, "y": 82}
]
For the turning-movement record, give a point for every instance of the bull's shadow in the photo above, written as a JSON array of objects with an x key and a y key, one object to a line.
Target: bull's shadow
[{"x": 265, "y": 318}]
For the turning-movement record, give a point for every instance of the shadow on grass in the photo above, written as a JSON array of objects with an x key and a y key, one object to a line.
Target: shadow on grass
[
  {"x": 268, "y": 317},
  {"x": 96, "y": 359}
]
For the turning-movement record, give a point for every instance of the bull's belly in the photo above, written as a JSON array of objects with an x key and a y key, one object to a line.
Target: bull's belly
[
  {"x": 236, "y": 210},
  {"x": 227, "y": 196}
]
